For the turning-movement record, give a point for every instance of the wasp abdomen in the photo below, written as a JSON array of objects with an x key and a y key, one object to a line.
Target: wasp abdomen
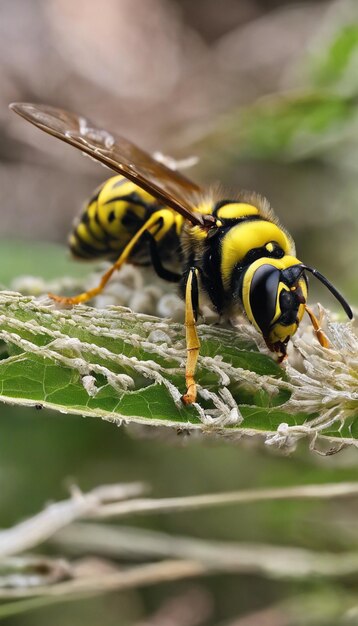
[{"x": 110, "y": 219}]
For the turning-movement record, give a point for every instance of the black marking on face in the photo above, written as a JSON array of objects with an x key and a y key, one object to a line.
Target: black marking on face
[{"x": 289, "y": 304}]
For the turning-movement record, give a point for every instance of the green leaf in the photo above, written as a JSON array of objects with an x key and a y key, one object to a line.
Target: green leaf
[
  {"x": 55, "y": 349},
  {"x": 285, "y": 127},
  {"x": 331, "y": 64},
  {"x": 308, "y": 122},
  {"x": 120, "y": 365}
]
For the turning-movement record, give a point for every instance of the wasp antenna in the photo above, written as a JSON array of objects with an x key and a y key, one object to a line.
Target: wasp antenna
[{"x": 331, "y": 288}]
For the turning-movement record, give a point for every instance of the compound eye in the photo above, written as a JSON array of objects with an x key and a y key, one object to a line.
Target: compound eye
[{"x": 263, "y": 296}]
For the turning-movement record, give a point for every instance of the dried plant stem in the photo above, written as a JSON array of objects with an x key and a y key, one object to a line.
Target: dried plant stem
[
  {"x": 197, "y": 558},
  {"x": 255, "y": 558},
  {"x": 166, "y": 505},
  {"x": 182, "y": 557},
  {"x": 127, "y": 578},
  {"x": 106, "y": 501},
  {"x": 80, "y": 588},
  {"x": 37, "y": 529}
]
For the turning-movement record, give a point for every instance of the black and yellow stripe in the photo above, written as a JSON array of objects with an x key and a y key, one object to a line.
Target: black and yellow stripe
[{"x": 112, "y": 217}]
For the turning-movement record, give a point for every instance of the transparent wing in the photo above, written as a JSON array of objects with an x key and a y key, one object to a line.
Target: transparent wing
[{"x": 170, "y": 187}]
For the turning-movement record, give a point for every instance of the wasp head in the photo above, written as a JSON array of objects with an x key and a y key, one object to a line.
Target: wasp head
[{"x": 274, "y": 294}]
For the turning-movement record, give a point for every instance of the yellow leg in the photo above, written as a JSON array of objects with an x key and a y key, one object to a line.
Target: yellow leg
[
  {"x": 192, "y": 339},
  {"x": 317, "y": 329},
  {"x": 151, "y": 223}
]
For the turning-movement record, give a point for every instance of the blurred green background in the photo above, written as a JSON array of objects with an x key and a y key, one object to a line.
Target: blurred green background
[{"x": 265, "y": 93}]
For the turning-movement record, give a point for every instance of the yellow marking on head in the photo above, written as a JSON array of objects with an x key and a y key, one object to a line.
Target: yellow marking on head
[
  {"x": 236, "y": 210},
  {"x": 302, "y": 283},
  {"x": 279, "y": 332},
  {"x": 240, "y": 239},
  {"x": 281, "y": 287},
  {"x": 269, "y": 247}
]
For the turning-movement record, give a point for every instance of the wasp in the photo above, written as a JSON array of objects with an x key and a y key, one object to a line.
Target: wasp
[{"x": 234, "y": 254}]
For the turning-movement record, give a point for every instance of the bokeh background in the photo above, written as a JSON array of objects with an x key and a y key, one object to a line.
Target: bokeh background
[{"x": 264, "y": 92}]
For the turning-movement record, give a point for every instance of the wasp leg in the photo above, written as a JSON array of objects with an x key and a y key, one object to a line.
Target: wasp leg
[
  {"x": 322, "y": 338},
  {"x": 192, "y": 339},
  {"x": 160, "y": 270},
  {"x": 157, "y": 221}
]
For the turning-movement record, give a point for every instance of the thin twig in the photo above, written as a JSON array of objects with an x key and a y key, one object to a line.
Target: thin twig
[
  {"x": 79, "y": 589},
  {"x": 37, "y": 529},
  {"x": 139, "y": 576},
  {"x": 167, "y": 505},
  {"x": 256, "y": 558},
  {"x": 31, "y": 571},
  {"x": 106, "y": 501}
]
